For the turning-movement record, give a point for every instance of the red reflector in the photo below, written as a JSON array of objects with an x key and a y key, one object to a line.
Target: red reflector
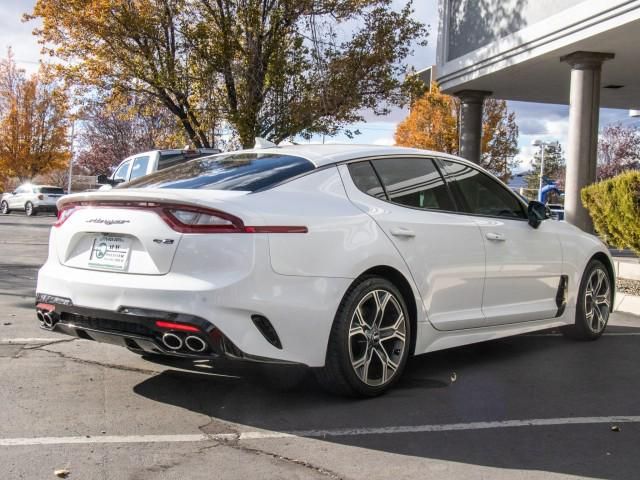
[
  {"x": 46, "y": 306},
  {"x": 276, "y": 229},
  {"x": 177, "y": 326}
]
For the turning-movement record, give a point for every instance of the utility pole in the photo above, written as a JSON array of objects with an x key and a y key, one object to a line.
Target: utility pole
[
  {"x": 542, "y": 147},
  {"x": 73, "y": 126}
]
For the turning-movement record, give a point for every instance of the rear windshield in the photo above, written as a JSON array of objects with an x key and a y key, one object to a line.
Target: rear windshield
[
  {"x": 234, "y": 171},
  {"x": 52, "y": 190}
]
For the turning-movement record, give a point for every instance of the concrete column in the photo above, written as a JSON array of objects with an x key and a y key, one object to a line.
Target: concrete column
[
  {"x": 584, "y": 112},
  {"x": 471, "y": 102}
]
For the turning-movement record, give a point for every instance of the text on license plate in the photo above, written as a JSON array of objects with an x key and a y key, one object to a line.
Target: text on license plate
[{"x": 109, "y": 252}]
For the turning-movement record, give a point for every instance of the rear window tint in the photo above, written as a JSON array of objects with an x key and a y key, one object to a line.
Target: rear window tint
[
  {"x": 236, "y": 171},
  {"x": 52, "y": 191},
  {"x": 366, "y": 179}
]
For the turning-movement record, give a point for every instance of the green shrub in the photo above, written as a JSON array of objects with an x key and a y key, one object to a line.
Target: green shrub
[{"x": 614, "y": 206}]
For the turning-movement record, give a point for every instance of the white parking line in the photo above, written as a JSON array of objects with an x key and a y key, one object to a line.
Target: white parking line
[
  {"x": 36, "y": 340},
  {"x": 610, "y": 334},
  {"x": 49, "y": 339},
  {"x": 347, "y": 432},
  {"x": 29, "y": 340}
]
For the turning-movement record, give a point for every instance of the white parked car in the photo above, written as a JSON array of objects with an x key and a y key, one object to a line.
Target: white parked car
[
  {"x": 144, "y": 163},
  {"x": 31, "y": 199},
  {"x": 348, "y": 259}
]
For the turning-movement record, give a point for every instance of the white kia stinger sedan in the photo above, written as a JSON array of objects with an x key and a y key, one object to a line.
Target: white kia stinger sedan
[{"x": 345, "y": 258}]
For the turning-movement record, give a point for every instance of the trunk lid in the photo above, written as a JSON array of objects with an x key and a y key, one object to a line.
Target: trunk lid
[{"x": 121, "y": 231}]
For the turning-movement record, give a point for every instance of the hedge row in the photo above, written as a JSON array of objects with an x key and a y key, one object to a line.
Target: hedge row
[{"x": 614, "y": 206}]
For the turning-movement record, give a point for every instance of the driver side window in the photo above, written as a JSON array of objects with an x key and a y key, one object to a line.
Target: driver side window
[{"x": 481, "y": 194}]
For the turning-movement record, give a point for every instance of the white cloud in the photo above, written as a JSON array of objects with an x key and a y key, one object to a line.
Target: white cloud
[{"x": 386, "y": 141}]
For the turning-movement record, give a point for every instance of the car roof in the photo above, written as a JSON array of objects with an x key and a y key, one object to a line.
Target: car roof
[
  {"x": 327, "y": 154},
  {"x": 37, "y": 185}
]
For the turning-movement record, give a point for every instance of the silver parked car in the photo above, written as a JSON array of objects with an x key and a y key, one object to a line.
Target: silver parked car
[{"x": 32, "y": 199}]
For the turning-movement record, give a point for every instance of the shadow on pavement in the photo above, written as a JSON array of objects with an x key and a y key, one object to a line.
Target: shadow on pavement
[
  {"x": 18, "y": 280},
  {"x": 526, "y": 377}
]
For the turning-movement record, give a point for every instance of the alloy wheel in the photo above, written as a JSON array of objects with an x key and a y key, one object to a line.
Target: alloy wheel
[
  {"x": 5, "y": 208},
  {"x": 377, "y": 337},
  {"x": 28, "y": 209},
  {"x": 597, "y": 300}
]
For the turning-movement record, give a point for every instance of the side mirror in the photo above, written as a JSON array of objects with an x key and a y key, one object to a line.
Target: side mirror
[
  {"x": 103, "y": 179},
  {"x": 537, "y": 212}
]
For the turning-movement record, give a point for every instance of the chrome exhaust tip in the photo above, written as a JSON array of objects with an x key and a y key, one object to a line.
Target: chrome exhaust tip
[
  {"x": 172, "y": 341},
  {"x": 195, "y": 344},
  {"x": 40, "y": 318},
  {"x": 48, "y": 320}
]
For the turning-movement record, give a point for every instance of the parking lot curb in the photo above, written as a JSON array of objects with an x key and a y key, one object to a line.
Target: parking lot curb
[
  {"x": 627, "y": 268},
  {"x": 627, "y": 303}
]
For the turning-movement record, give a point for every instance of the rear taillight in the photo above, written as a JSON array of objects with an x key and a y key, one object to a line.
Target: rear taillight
[
  {"x": 203, "y": 220},
  {"x": 64, "y": 214},
  {"x": 185, "y": 218},
  {"x": 200, "y": 220}
]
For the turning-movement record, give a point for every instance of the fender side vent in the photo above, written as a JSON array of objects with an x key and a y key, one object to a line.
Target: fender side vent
[
  {"x": 266, "y": 329},
  {"x": 561, "y": 296}
]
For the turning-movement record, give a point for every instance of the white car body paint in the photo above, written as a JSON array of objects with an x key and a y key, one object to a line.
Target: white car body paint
[
  {"x": 467, "y": 288},
  {"x": 33, "y": 194}
]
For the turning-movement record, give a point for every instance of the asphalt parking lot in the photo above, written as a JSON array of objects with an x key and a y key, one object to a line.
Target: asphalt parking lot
[{"x": 534, "y": 406}]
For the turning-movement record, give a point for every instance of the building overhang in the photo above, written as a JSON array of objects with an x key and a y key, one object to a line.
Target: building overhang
[{"x": 526, "y": 65}]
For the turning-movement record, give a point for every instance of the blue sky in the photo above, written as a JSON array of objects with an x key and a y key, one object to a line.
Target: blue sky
[{"x": 536, "y": 121}]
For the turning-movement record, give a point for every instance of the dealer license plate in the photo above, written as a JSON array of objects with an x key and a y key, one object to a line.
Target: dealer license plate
[{"x": 109, "y": 252}]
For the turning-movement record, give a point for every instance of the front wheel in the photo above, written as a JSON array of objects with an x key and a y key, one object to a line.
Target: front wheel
[
  {"x": 4, "y": 208},
  {"x": 30, "y": 210},
  {"x": 369, "y": 342},
  {"x": 593, "y": 304}
]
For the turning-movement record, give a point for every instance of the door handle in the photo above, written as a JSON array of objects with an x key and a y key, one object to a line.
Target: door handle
[
  {"x": 402, "y": 232},
  {"x": 496, "y": 237}
]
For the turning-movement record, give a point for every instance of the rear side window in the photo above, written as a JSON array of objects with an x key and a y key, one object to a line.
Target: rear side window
[
  {"x": 366, "y": 180},
  {"x": 414, "y": 182},
  {"x": 52, "y": 190},
  {"x": 481, "y": 194},
  {"x": 139, "y": 168},
  {"x": 169, "y": 159},
  {"x": 236, "y": 171}
]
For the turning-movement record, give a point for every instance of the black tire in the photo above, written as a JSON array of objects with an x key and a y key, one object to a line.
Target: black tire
[
  {"x": 591, "y": 317},
  {"x": 339, "y": 373},
  {"x": 4, "y": 208},
  {"x": 30, "y": 210}
]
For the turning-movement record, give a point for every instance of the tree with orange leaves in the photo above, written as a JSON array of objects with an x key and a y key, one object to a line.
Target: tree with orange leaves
[
  {"x": 33, "y": 123},
  {"x": 432, "y": 124}
]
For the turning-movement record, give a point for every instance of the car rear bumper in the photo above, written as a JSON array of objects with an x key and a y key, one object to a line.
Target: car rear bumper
[
  {"x": 45, "y": 206},
  {"x": 138, "y": 330},
  {"x": 300, "y": 309}
]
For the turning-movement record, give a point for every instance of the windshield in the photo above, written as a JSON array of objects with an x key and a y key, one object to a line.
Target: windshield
[
  {"x": 234, "y": 171},
  {"x": 52, "y": 190}
]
